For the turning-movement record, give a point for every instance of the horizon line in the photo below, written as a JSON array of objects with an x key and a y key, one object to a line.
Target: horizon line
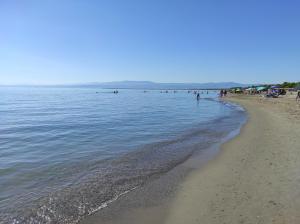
[{"x": 124, "y": 81}]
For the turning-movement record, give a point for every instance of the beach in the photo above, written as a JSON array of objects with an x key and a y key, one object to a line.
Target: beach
[
  {"x": 150, "y": 112},
  {"x": 234, "y": 159},
  {"x": 254, "y": 179}
]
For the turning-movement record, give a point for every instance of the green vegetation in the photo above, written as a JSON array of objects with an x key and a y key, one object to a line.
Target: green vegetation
[{"x": 289, "y": 84}]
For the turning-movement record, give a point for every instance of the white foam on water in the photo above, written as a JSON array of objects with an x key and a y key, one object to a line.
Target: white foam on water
[{"x": 106, "y": 203}]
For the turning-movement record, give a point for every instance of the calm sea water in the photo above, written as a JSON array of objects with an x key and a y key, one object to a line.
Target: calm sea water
[{"x": 66, "y": 152}]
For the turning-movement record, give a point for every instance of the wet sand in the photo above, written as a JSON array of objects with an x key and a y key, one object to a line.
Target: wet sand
[{"x": 254, "y": 179}]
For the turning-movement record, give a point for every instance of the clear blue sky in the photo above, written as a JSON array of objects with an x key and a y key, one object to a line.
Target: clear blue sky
[{"x": 73, "y": 41}]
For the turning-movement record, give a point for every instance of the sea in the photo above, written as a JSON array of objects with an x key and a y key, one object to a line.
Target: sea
[{"x": 66, "y": 153}]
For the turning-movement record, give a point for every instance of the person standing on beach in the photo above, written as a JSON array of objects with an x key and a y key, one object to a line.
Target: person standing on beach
[
  {"x": 221, "y": 93},
  {"x": 198, "y": 96},
  {"x": 298, "y": 96}
]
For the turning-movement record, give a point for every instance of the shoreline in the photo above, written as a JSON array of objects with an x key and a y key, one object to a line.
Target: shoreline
[
  {"x": 142, "y": 178},
  {"x": 253, "y": 178},
  {"x": 153, "y": 198}
]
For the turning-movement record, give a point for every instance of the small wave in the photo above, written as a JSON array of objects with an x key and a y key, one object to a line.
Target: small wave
[{"x": 105, "y": 204}]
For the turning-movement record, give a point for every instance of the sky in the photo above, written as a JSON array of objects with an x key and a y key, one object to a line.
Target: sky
[{"x": 81, "y": 41}]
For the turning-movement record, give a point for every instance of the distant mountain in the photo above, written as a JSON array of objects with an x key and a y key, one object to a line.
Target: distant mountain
[
  {"x": 155, "y": 85},
  {"x": 148, "y": 85}
]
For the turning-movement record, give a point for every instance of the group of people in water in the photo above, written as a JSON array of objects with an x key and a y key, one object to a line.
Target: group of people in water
[
  {"x": 197, "y": 93},
  {"x": 223, "y": 92}
]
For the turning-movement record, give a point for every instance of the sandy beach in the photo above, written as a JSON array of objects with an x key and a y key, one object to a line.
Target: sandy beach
[
  {"x": 150, "y": 112},
  {"x": 255, "y": 178}
]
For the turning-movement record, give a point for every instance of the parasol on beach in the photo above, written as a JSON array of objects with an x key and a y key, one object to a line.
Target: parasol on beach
[
  {"x": 261, "y": 88},
  {"x": 275, "y": 87}
]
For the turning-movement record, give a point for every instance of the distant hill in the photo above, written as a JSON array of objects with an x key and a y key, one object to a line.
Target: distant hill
[
  {"x": 148, "y": 85},
  {"x": 155, "y": 85}
]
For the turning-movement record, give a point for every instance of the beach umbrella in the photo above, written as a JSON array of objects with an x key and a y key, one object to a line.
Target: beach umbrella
[
  {"x": 275, "y": 87},
  {"x": 250, "y": 89},
  {"x": 261, "y": 88}
]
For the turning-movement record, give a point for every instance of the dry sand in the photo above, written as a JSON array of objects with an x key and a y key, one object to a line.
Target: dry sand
[{"x": 255, "y": 178}]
